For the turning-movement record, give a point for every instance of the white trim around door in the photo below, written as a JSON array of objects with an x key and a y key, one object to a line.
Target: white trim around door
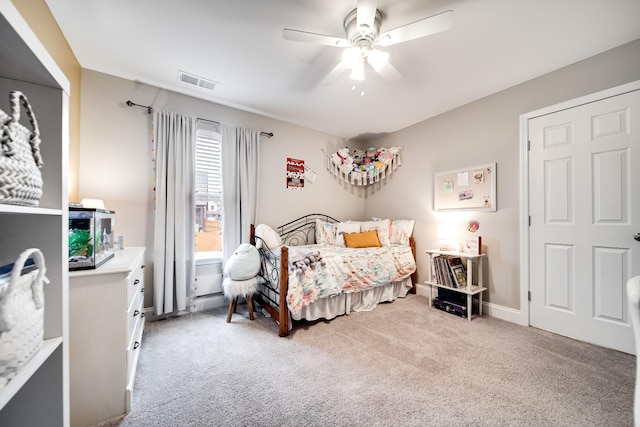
[{"x": 524, "y": 182}]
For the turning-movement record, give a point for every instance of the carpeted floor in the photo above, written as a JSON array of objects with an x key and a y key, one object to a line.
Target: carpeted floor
[{"x": 402, "y": 364}]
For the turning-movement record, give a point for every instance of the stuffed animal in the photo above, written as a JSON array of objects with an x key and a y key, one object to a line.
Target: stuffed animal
[
  {"x": 310, "y": 260},
  {"x": 244, "y": 264},
  {"x": 394, "y": 150},
  {"x": 379, "y": 165},
  {"x": 340, "y": 156},
  {"x": 347, "y": 166},
  {"x": 371, "y": 153},
  {"x": 369, "y": 169},
  {"x": 384, "y": 156},
  {"x": 358, "y": 156}
]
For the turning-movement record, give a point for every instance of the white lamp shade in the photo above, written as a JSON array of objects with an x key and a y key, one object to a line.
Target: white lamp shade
[
  {"x": 377, "y": 59},
  {"x": 351, "y": 57},
  {"x": 446, "y": 232},
  {"x": 93, "y": 203},
  {"x": 358, "y": 72}
]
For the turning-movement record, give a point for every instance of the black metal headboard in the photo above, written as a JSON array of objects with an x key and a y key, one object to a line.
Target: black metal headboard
[{"x": 302, "y": 231}]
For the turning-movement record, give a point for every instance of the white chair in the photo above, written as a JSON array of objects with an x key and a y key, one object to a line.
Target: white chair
[{"x": 633, "y": 295}]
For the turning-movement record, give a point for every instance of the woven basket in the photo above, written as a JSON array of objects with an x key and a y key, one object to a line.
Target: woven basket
[
  {"x": 21, "y": 316},
  {"x": 20, "y": 159}
]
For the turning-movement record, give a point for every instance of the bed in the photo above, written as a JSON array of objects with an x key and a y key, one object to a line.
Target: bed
[{"x": 339, "y": 277}]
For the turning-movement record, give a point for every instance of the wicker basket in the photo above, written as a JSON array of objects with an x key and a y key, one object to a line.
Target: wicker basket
[
  {"x": 21, "y": 316},
  {"x": 20, "y": 160}
]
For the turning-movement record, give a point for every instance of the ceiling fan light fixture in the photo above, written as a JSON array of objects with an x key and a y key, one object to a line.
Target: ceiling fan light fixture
[
  {"x": 377, "y": 59},
  {"x": 362, "y": 29},
  {"x": 351, "y": 56},
  {"x": 358, "y": 72}
]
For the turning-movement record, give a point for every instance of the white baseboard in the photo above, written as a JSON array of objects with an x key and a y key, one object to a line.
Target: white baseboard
[
  {"x": 489, "y": 309},
  {"x": 209, "y": 301},
  {"x": 148, "y": 314},
  {"x": 504, "y": 313},
  {"x": 200, "y": 304},
  {"x": 422, "y": 290}
]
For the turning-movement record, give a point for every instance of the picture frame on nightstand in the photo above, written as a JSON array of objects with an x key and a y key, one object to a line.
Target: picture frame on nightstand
[{"x": 472, "y": 245}]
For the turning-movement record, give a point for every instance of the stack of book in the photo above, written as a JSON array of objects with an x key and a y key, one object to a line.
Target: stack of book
[{"x": 449, "y": 271}]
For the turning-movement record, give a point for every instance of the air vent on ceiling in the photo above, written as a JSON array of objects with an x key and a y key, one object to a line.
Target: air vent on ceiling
[{"x": 193, "y": 80}]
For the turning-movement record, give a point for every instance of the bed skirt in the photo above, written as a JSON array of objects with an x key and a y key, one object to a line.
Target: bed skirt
[{"x": 328, "y": 308}]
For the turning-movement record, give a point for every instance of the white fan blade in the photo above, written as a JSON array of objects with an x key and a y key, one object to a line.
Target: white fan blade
[
  {"x": 389, "y": 72},
  {"x": 306, "y": 37},
  {"x": 377, "y": 59},
  {"x": 366, "y": 16},
  {"x": 334, "y": 74},
  {"x": 421, "y": 28}
]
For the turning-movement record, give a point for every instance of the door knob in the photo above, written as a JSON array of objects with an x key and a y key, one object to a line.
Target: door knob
[{"x": 637, "y": 236}]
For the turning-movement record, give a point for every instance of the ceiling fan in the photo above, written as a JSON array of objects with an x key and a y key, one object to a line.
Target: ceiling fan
[{"x": 362, "y": 28}]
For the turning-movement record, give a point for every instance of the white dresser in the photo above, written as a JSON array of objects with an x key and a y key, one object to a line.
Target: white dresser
[{"x": 106, "y": 322}]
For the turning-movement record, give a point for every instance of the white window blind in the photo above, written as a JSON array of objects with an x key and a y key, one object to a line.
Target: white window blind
[
  {"x": 208, "y": 163},
  {"x": 208, "y": 190}
]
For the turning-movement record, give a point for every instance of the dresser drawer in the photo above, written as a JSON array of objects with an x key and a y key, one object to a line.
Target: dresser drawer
[
  {"x": 135, "y": 282},
  {"x": 133, "y": 350},
  {"x": 135, "y": 312}
]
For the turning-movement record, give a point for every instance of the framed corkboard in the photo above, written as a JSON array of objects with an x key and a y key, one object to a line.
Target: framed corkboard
[{"x": 472, "y": 188}]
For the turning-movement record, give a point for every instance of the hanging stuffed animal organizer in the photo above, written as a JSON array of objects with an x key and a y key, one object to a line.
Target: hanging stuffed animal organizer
[{"x": 363, "y": 167}]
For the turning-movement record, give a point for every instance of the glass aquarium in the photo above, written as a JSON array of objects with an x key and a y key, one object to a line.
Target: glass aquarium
[{"x": 91, "y": 235}]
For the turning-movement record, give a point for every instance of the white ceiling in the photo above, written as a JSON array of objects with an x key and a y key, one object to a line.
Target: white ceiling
[{"x": 493, "y": 45}]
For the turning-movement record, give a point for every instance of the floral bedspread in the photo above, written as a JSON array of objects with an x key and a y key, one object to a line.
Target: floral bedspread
[{"x": 348, "y": 270}]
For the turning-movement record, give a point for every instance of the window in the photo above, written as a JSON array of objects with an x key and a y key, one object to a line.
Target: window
[{"x": 208, "y": 191}]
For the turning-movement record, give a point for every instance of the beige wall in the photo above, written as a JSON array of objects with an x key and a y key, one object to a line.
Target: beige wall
[
  {"x": 36, "y": 13},
  {"x": 482, "y": 132},
  {"x": 116, "y": 159}
]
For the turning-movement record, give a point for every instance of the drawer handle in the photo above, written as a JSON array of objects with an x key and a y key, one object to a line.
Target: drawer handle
[
  {"x": 135, "y": 313},
  {"x": 136, "y": 345},
  {"x": 135, "y": 282}
]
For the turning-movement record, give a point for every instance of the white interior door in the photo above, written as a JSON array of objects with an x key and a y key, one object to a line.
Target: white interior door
[{"x": 584, "y": 178}]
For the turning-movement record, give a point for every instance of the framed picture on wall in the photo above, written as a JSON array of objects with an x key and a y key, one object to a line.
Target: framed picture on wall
[{"x": 472, "y": 188}]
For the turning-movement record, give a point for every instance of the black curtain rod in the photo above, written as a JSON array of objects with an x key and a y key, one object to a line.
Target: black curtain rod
[
  {"x": 133, "y": 104},
  {"x": 267, "y": 134},
  {"x": 150, "y": 110}
]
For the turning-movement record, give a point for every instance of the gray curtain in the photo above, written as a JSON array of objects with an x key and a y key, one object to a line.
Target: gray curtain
[
  {"x": 174, "y": 241},
  {"x": 240, "y": 172}
]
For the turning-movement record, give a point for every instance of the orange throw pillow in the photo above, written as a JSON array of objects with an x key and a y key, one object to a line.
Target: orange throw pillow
[{"x": 365, "y": 239}]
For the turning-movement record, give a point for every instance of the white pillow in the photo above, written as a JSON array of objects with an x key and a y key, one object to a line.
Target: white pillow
[
  {"x": 401, "y": 231},
  {"x": 382, "y": 227},
  {"x": 325, "y": 232},
  {"x": 345, "y": 227},
  {"x": 270, "y": 237}
]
